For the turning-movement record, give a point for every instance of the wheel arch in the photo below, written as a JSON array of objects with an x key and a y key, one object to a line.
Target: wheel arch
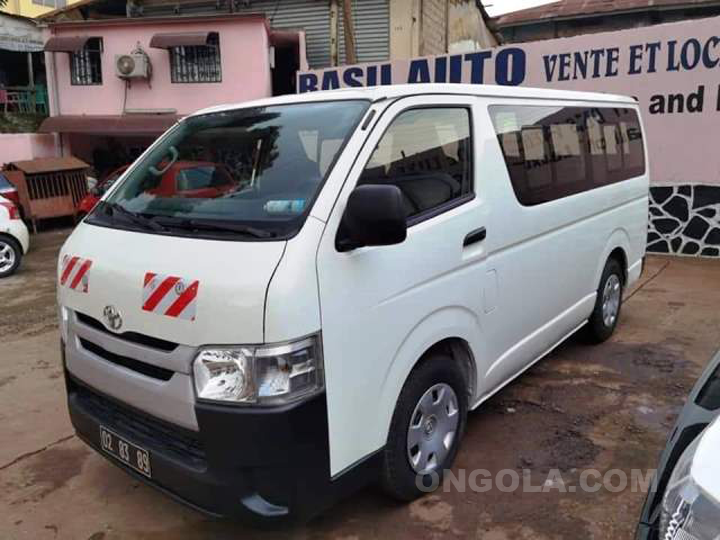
[
  {"x": 621, "y": 257},
  {"x": 617, "y": 247},
  {"x": 15, "y": 240},
  {"x": 459, "y": 350}
]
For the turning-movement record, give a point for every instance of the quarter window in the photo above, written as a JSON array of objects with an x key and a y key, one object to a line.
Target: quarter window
[
  {"x": 196, "y": 63},
  {"x": 86, "y": 63},
  {"x": 555, "y": 152},
  {"x": 427, "y": 154}
]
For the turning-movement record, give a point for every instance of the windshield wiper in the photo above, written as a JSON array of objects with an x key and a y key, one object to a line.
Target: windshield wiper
[
  {"x": 137, "y": 219},
  {"x": 203, "y": 225}
]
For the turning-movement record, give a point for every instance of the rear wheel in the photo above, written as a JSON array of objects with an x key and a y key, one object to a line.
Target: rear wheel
[
  {"x": 608, "y": 303},
  {"x": 426, "y": 429},
  {"x": 10, "y": 256}
]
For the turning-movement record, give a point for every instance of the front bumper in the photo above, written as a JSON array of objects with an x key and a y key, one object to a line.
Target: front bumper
[{"x": 259, "y": 465}]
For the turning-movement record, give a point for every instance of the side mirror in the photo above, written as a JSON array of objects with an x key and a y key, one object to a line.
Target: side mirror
[{"x": 374, "y": 216}]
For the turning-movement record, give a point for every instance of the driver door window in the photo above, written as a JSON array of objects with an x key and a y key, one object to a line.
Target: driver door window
[{"x": 427, "y": 154}]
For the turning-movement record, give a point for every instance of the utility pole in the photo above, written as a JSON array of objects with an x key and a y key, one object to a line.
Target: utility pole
[
  {"x": 350, "y": 54},
  {"x": 333, "y": 33}
]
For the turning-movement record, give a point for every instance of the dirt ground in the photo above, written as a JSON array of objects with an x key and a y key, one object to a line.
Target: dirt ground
[{"x": 604, "y": 407}]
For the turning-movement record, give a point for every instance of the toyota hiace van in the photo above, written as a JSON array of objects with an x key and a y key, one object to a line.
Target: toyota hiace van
[{"x": 385, "y": 260}]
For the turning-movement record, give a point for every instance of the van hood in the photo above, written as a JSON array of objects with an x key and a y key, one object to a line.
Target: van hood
[{"x": 185, "y": 290}]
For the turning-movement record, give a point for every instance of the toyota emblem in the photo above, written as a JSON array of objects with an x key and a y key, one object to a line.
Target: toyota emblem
[{"x": 112, "y": 317}]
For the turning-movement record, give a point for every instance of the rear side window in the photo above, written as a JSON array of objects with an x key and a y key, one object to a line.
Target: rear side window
[
  {"x": 427, "y": 154},
  {"x": 555, "y": 152}
]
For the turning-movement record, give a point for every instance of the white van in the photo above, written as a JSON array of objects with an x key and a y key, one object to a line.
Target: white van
[{"x": 338, "y": 279}]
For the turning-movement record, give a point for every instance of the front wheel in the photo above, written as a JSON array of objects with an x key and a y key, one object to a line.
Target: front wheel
[
  {"x": 608, "y": 303},
  {"x": 426, "y": 429},
  {"x": 10, "y": 256}
]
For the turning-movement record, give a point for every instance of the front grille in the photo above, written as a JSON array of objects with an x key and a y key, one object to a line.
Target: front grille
[
  {"x": 132, "y": 337},
  {"x": 140, "y": 428},
  {"x": 148, "y": 370}
]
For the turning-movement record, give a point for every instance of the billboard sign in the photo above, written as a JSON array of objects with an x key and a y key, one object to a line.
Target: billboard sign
[{"x": 672, "y": 69}]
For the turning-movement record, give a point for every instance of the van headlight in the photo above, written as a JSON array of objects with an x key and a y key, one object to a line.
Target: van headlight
[
  {"x": 688, "y": 512},
  {"x": 263, "y": 375}
]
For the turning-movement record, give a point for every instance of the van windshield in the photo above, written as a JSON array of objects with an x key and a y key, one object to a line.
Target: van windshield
[{"x": 244, "y": 174}]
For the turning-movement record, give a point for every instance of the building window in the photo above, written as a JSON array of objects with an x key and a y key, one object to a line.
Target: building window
[
  {"x": 55, "y": 4},
  {"x": 196, "y": 63},
  {"x": 86, "y": 64},
  {"x": 427, "y": 153}
]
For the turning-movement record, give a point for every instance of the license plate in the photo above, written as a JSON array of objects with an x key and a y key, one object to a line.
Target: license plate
[{"x": 128, "y": 453}]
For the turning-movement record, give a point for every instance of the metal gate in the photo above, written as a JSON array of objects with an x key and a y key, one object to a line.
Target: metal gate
[
  {"x": 371, "y": 18},
  {"x": 313, "y": 16},
  {"x": 372, "y": 31}
]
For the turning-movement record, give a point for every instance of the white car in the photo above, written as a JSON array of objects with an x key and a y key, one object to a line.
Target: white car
[{"x": 14, "y": 238}]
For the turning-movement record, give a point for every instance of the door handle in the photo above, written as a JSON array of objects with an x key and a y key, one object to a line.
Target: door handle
[{"x": 478, "y": 235}]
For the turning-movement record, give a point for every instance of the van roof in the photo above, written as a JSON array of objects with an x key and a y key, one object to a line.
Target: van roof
[{"x": 374, "y": 93}]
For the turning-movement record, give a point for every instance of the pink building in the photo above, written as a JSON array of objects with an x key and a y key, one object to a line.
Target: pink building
[{"x": 115, "y": 85}]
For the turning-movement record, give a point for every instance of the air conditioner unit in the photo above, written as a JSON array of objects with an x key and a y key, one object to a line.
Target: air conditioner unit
[{"x": 135, "y": 65}]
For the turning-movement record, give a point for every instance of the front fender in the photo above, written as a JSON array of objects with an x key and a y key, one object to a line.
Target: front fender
[{"x": 448, "y": 322}]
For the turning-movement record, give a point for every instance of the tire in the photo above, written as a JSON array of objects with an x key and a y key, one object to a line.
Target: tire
[
  {"x": 10, "y": 256},
  {"x": 605, "y": 317},
  {"x": 438, "y": 374}
]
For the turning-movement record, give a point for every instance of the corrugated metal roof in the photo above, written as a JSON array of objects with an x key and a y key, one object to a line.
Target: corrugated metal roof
[
  {"x": 371, "y": 19},
  {"x": 51, "y": 164},
  {"x": 573, "y": 8},
  {"x": 310, "y": 16}
]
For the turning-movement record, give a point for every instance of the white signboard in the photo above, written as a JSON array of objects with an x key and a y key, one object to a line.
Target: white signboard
[
  {"x": 673, "y": 70},
  {"x": 19, "y": 34}
]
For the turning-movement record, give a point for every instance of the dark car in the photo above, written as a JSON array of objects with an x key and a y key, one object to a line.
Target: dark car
[{"x": 701, "y": 408}]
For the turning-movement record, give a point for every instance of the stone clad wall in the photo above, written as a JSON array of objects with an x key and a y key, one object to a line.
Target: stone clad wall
[{"x": 685, "y": 220}]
